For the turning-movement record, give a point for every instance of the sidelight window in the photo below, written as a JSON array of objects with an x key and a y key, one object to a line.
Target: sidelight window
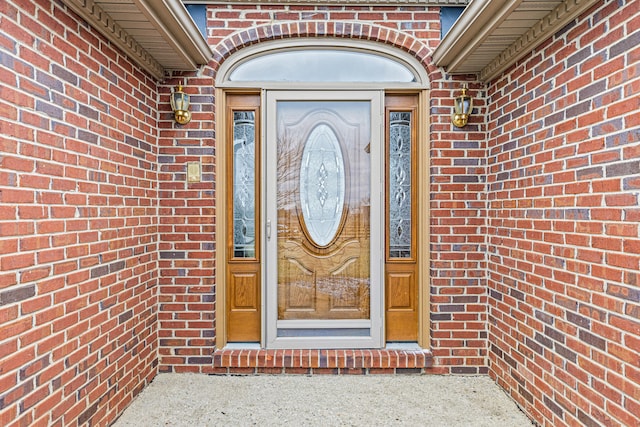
[{"x": 244, "y": 184}]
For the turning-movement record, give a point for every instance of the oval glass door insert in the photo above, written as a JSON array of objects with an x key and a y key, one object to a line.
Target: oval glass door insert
[{"x": 322, "y": 185}]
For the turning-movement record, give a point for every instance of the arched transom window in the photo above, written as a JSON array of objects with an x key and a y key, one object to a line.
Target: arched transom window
[{"x": 321, "y": 61}]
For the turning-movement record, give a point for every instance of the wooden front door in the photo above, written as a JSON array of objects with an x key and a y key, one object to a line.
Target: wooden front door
[{"x": 323, "y": 221}]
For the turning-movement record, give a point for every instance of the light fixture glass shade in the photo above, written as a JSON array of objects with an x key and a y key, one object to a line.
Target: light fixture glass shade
[
  {"x": 180, "y": 105},
  {"x": 462, "y": 107}
]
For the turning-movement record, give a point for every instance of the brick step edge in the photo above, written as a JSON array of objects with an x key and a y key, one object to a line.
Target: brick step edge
[{"x": 321, "y": 361}]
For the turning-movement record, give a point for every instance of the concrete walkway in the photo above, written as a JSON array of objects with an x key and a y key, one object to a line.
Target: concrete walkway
[{"x": 376, "y": 400}]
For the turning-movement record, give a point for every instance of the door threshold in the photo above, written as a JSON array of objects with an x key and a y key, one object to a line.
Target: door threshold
[
  {"x": 409, "y": 346},
  {"x": 242, "y": 346}
]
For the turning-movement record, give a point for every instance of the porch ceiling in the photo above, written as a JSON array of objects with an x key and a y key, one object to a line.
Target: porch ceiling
[
  {"x": 491, "y": 35},
  {"x": 158, "y": 34}
]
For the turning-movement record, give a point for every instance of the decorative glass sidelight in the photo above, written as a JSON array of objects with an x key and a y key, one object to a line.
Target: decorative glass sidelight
[
  {"x": 322, "y": 185},
  {"x": 400, "y": 184},
  {"x": 244, "y": 184}
]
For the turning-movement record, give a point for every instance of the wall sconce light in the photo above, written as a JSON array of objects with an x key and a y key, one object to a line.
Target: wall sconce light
[
  {"x": 462, "y": 107},
  {"x": 180, "y": 105}
]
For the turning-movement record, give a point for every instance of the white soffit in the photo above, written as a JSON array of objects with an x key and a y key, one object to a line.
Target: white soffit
[
  {"x": 491, "y": 35},
  {"x": 339, "y": 2},
  {"x": 159, "y": 35}
]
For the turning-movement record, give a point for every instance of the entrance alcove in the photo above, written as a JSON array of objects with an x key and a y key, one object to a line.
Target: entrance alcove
[{"x": 322, "y": 180}]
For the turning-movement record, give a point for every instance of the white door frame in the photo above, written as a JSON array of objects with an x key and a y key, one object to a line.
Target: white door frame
[{"x": 271, "y": 324}]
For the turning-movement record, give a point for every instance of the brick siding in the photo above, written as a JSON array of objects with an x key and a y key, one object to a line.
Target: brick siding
[
  {"x": 563, "y": 226},
  {"x": 186, "y": 228},
  {"x": 187, "y": 223},
  {"x": 107, "y": 255},
  {"x": 78, "y": 221}
]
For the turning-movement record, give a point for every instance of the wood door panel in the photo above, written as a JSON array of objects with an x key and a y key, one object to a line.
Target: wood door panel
[
  {"x": 243, "y": 302},
  {"x": 345, "y": 293},
  {"x": 323, "y": 186},
  {"x": 322, "y": 287},
  {"x": 300, "y": 294},
  {"x": 243, "y": 291},
  {"x": 401, "y": 303},
  {"x": 400, "y": 291}
]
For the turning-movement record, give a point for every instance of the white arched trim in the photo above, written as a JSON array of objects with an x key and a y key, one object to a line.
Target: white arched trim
[{"x": 405, "y": 63}]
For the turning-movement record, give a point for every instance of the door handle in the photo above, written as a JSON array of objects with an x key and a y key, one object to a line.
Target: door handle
[{"x": 268, "y": 229}]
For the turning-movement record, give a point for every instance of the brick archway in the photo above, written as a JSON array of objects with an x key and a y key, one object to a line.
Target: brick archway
[
  {"x": 336, "y": 29},
  {"x": 228, "y": 51}
]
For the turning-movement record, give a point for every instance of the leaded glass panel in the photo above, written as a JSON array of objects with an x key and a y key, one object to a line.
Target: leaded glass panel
[
  {"x": 400, "y": 184},
  {"x": 322, "y": 185},
  {"x": 244, "y": 184}
]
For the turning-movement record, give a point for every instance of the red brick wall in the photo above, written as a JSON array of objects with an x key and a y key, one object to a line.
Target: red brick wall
[
  {"x": 187, "y": 223},
  {"x": 96, "y": 216},
  {"x": 187, "y": 212},
  {"x": 78, "y": 221},
  {"x": 563, "y": 227}
]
